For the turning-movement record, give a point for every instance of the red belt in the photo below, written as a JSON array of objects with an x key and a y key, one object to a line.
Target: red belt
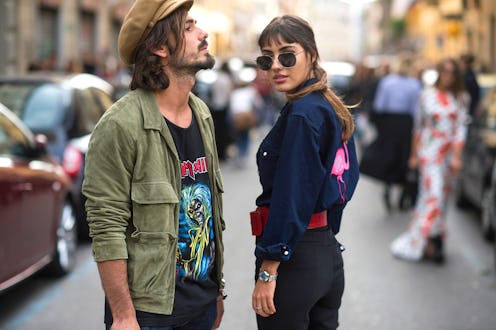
[{"x": 259, "y": 219}]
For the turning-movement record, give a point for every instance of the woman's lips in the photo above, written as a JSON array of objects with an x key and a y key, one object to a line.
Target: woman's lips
[{"x": 279, "y": 79}]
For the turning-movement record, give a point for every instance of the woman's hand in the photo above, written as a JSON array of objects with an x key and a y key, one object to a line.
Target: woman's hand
[
  {"x": 413, "y": 161},
  {"x": 263, "y": 298},
  {"x": 456, "y": 164},
  {"x": 263, "y": 294}
]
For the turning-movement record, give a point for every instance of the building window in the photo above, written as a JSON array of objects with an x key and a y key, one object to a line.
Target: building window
[{"x": 47, "y": 35}]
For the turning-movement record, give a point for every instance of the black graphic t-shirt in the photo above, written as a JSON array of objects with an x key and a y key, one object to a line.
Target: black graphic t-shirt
[{"x": 195, "y": 288}]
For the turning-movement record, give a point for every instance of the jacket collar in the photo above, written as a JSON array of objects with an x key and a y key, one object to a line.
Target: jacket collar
[{"x": 153, "y": 119}]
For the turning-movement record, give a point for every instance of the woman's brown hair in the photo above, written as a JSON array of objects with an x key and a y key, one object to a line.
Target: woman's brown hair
[
  {"x": 169, "y": 32},
  {"x": 457, "y": 87},
  {"x": 293, "y": 29}
]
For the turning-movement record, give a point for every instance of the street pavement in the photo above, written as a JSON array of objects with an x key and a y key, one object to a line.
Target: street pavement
[{"x": 382, "y": 293}]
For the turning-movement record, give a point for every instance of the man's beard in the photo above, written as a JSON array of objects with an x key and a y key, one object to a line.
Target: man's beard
[
  {"x": 208, "y": 63},
  {"x": 187, "y": 67}
]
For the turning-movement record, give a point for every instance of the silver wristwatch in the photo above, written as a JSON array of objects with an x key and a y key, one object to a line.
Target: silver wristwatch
[{"x": 264, "y": 276}]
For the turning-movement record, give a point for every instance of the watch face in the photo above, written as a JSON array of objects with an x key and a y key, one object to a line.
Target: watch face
[{"x": 264, "y": 276}]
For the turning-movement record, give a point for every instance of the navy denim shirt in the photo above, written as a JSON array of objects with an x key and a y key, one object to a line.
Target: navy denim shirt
[{"x": 294, "y": 164}]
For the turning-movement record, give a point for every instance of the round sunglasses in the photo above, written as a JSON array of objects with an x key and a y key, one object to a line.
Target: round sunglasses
[{"x": 287, "y": 60}]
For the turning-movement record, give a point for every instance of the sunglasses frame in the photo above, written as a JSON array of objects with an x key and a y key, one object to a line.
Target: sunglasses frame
[{"x": 264, "y": 68}]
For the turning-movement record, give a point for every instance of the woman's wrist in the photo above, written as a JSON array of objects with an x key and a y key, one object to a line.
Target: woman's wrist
[{"x": 270, "y": 266}]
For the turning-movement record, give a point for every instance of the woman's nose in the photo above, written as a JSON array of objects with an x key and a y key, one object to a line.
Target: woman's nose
[{"x": 275, "y": 63}]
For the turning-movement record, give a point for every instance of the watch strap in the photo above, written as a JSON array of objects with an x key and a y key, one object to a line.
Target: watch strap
[{"x": 265, "y": 276}]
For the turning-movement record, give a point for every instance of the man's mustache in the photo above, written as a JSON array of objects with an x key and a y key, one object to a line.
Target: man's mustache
[{"x": 203, "y": 44}]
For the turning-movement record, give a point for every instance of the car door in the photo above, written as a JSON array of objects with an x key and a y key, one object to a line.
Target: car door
[
  {"x": 27, "y": 223},
  {"x": 481, "y": 148},
  {"x": 474, "y": 162},
  {"x": 10, "y": 224}
]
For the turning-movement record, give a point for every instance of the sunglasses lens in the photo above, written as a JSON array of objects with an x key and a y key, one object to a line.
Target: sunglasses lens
[
  {"x": 287, "y": 59},
  {"x": 264, "y": 62}
]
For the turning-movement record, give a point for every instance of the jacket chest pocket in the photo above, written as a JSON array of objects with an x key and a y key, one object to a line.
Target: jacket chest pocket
[
  {"x": 267, "y": 159},
  {"x": 155, "y": 207}
]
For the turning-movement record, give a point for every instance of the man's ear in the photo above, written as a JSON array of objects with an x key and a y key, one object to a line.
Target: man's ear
[{"x": 161, "y": 52}]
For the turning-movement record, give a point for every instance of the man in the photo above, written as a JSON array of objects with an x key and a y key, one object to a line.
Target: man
[
  {"x": 470, "y": 81},
  {"x": 153, "y": 182},
  {"x": 394, "y": 107},
  {"x": 221, "y": 90}
]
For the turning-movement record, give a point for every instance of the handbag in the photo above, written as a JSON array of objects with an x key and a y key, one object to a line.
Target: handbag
[
  {"x": 410, "y": 189},
  {"x": 244, "y": 120}
]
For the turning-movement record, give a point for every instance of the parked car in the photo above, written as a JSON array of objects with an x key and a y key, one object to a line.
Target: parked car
[
  {"x": 493, "y": 215},
  {"x": 476, "y": 183},
  {"x": 37, "y": 219},
  {"x": 65, "y": 108}
]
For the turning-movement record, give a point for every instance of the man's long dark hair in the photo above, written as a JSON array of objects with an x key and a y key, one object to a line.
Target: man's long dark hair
[{"x": 169, "y": 32}]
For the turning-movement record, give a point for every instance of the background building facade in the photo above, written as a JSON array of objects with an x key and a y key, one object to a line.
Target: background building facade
[
  {"x": 67, "y": 34},
  {"x": 451, "y": 27}
]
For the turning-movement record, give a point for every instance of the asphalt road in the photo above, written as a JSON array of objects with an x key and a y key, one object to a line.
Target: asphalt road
[{"x": 381, "y": 292}]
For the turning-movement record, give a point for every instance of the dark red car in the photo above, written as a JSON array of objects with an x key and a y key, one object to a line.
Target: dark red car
[
  {"x": 37, "y": 219},
  {"x": 65, "y": 108}
]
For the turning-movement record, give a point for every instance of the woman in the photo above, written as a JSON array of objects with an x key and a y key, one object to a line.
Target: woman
[
  {"x": 436, "y": 151},
  {"x": 308, "y": 171}
]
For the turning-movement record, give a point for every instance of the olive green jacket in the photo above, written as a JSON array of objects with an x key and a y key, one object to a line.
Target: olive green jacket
[{"x": 132, "y": 185}]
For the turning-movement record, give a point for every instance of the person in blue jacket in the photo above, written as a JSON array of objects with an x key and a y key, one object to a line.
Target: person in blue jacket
[{"x": 308, "y": 171}]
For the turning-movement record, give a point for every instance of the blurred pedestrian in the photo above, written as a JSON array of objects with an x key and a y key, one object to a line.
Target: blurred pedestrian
[
  {"x": 90, "y": 64},
  {"x": 122, "y": 75},
  {"x": 308, "y": 171},
  {"x": 152, "y": 181},
  {"x": 219, "y": 105},
  {"x": 362, "y": 93},
  {"x": 268, "y": 111},
  {"x": 386, "y": 158},
  {"x": 245, "y": 104},
  {"x": 49, "y": 63},
  {"x": 470, "y": 81},
  {"x": 73, "y": 66},
  {"x": 437, "y": 151}
]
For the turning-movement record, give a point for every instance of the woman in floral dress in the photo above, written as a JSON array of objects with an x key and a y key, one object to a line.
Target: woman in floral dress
[{"x": 436, "y": 151}]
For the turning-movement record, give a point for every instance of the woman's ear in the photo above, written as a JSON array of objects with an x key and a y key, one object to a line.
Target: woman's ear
[{"x": 313, "y": 56}]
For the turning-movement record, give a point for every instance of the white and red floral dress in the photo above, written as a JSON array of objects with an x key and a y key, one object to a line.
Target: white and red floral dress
[{"x": 441, "y": 125}]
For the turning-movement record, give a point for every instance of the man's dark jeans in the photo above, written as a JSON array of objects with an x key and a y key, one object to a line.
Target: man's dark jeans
[{"x": 203, "y": 322}]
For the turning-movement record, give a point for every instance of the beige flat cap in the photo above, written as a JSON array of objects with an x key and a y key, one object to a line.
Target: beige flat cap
[{"x": 140, "y": 20}]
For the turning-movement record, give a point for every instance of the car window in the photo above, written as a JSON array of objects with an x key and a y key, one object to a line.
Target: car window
[
  {"x": 38, "y": 106},
  {"x": 44, "y": 108},
  {"x": 14, "y": 96},
  {"x": 12, "y": 140}
]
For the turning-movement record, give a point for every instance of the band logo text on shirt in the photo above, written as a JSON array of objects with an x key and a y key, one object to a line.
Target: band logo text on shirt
[{"x": 191, "y": 169}]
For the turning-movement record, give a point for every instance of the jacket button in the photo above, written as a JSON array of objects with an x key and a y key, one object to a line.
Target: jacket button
[{"x": 264, "y": 153}]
